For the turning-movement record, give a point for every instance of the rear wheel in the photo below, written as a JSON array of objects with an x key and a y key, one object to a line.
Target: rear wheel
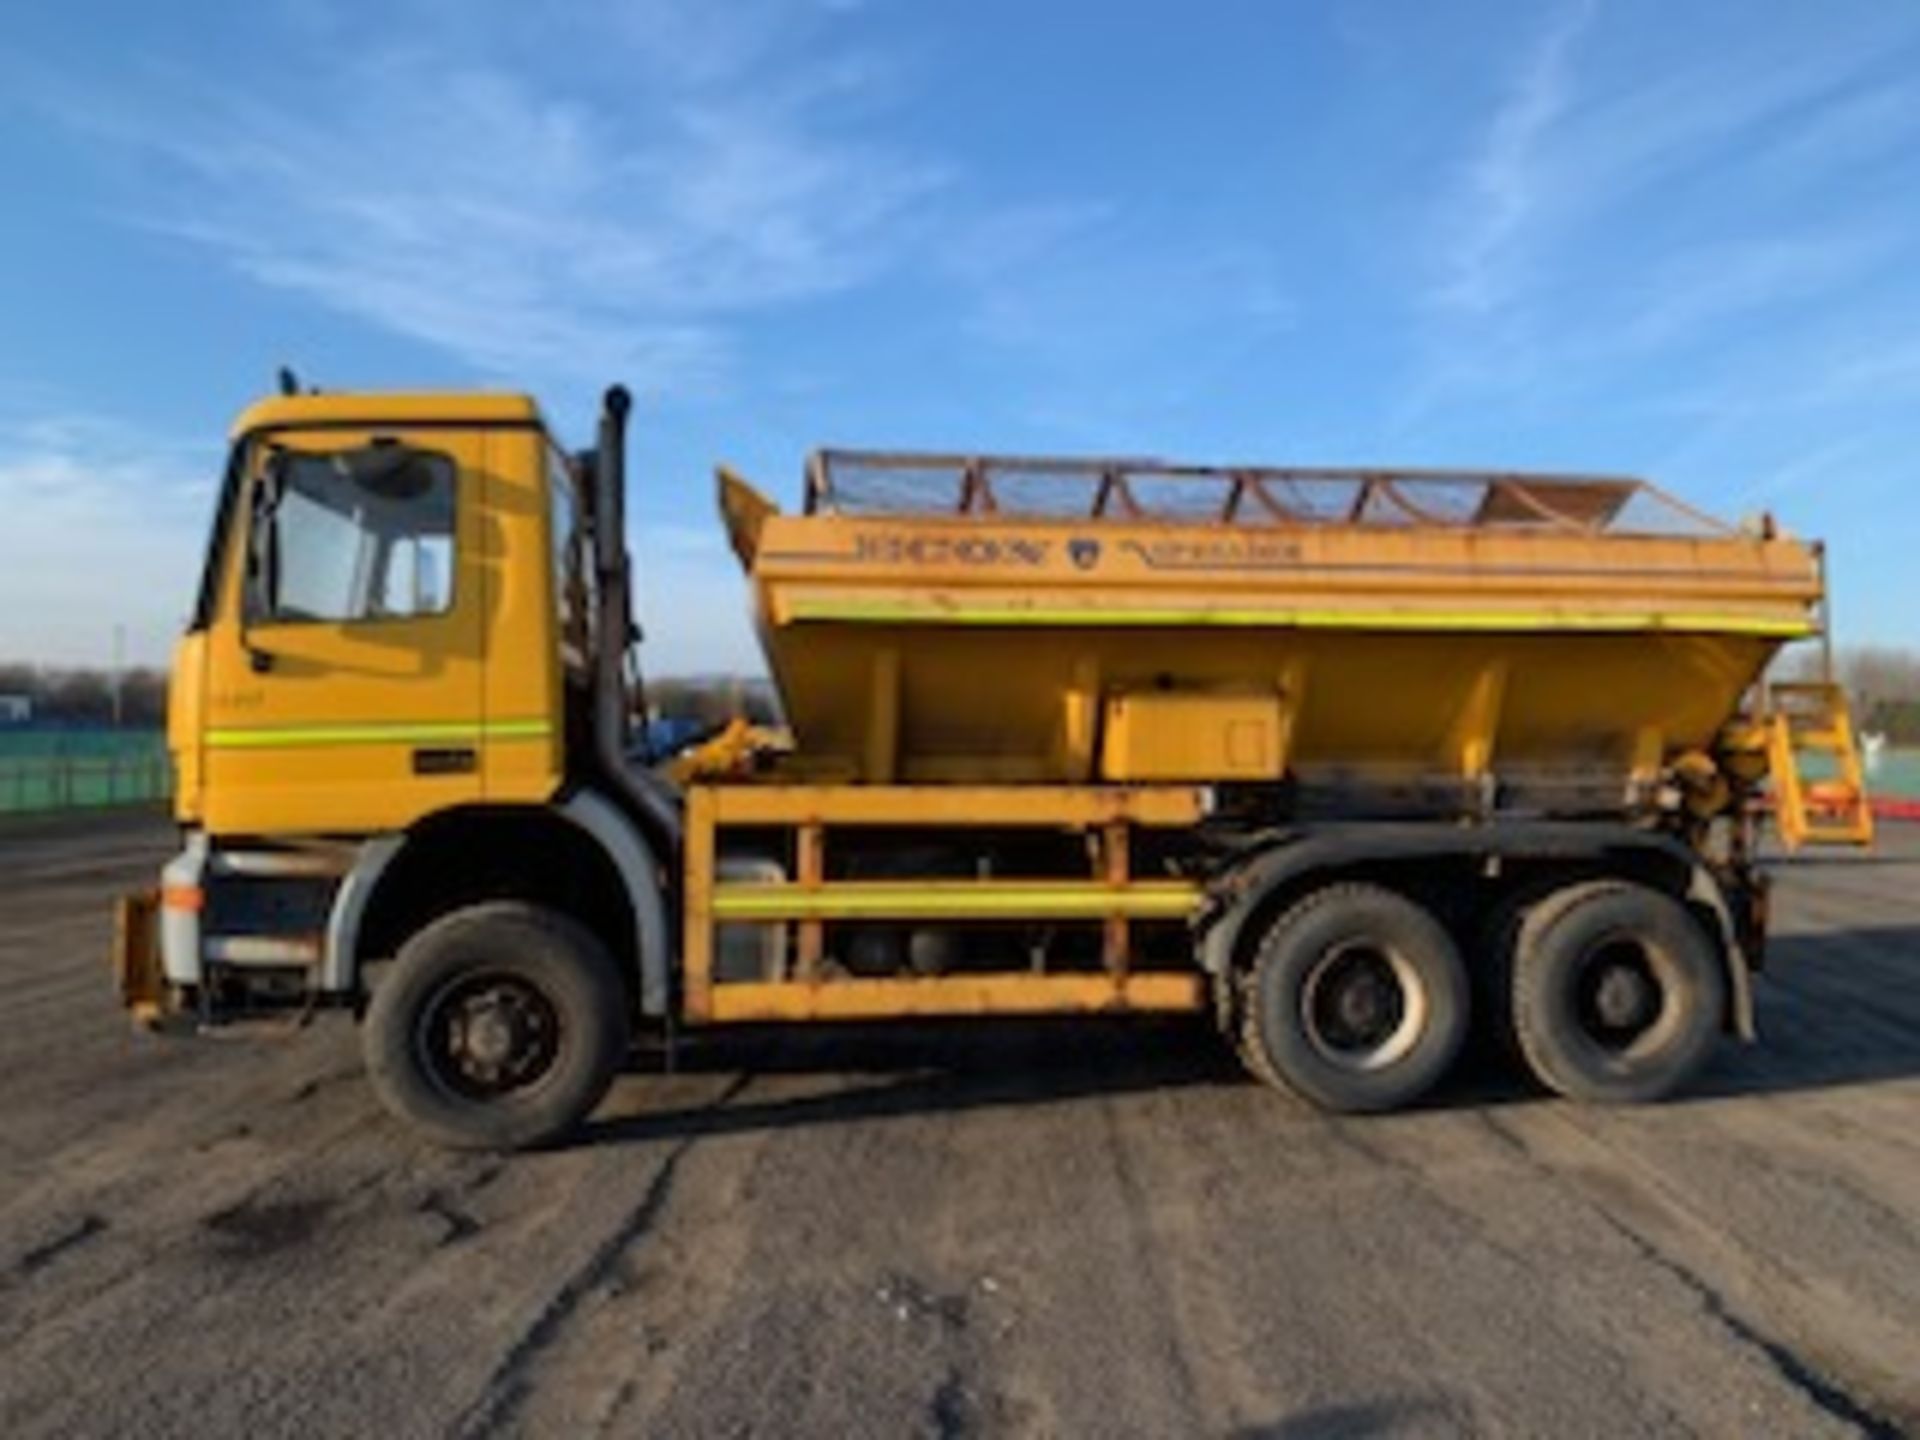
[
  {"x": 1490, "y": 968},
  {"x": 1618, "y": 994},
  {"x": 500, "y": 1027},
  {"x": 1357, "y": 1000}
]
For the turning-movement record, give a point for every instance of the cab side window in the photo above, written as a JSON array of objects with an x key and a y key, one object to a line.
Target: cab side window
[
  {"x": 572, "y": 572},
  {"x": 354, "y": 535}
]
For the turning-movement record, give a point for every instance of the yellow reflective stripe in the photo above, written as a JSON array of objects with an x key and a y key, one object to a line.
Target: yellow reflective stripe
[
  {"x": 262, "y": 737},
  {"x": 906, "y": 900},
  {"x": 1601, "y": 620}
]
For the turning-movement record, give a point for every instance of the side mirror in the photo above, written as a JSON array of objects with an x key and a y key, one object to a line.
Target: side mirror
[{"x": 263, "y": 538}]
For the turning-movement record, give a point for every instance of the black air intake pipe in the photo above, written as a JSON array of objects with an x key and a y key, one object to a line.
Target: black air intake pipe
[{"x": 654, "y": 801}]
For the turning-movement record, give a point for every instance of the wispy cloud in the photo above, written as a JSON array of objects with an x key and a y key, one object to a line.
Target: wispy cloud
[
  {"x": 1683, "y": 296},
  {"x": 1573, "y": 150},
  {"x": 523, "y": 228},
  {"x": 1502, "y": 181},
  {"x": 1064, "y": 279},
  {"x": 1833, "y": 460},
  {"x": 1886, "y": 371},
  {"x": 1064, "y": 294},
  {"x": 1619, "y": 205}
]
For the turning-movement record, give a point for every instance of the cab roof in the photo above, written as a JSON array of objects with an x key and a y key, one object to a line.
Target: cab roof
[{"x": 393, "y": 407}]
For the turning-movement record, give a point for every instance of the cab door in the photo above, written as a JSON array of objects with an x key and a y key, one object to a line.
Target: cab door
[{"x": 345, "y": 673}]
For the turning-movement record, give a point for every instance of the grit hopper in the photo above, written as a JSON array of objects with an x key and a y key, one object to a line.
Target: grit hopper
[{"x": 1360, "y": 638}]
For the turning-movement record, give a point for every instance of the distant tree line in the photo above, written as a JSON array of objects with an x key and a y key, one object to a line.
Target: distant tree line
[
  {"x": 711, "y": 700},
  {"x": 81, "y": 696},
  {"x": 1882, "y": 681},
  {"x": 1885, "y": 686}
]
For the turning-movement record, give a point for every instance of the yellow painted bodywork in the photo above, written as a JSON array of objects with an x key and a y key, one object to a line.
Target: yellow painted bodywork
[
  {"x": 323, "y": 740},
  {"x": 974, "y": 648},
  {"x": 785, "y": 803},
  {"x": 186, "y": 725},
  {"x": 393, "y": 410}
]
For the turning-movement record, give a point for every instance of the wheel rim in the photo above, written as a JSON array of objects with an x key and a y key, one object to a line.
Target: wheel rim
[
  {"x": 489, "y": 1036},
  {"x": 1363, "y": 1006},
  {"x": 1621, "y": 997}
]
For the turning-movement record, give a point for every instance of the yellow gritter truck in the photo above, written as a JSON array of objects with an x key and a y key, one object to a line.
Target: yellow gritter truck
[{"x": 1342, "y": 759}]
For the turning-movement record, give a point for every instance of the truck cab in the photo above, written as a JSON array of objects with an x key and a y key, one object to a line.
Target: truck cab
[
  {"x": 394, "y": 598},
  {"x": 383, "y": 711}
]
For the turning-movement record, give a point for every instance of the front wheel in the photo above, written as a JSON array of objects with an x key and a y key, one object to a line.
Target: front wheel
[
  {"x": 1357, "y": 1000},
  {"x": 501, "y": 1027}
]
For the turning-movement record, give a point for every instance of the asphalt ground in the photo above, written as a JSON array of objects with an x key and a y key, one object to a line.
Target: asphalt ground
[{"x": 992, "y": 1229}]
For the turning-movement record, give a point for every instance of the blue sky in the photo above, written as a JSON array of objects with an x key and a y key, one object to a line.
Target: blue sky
[{"x": 1675, "y": 239}]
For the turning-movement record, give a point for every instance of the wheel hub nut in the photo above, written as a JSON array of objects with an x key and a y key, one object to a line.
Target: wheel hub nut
[
  {"x": 1624, "y": 998},
  {"x": 490, "y": 1036},
  {"x": 1363, "y": 1004}
]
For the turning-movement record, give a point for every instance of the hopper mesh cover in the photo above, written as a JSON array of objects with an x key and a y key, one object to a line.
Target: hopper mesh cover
[{"x": 850, "y": 482}]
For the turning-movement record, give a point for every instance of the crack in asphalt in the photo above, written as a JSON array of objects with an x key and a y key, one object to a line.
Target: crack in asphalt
[
  {"x": 1821, "y": 1391},
  {"x": 951, "y": 1409},
  {"x": 1139, "y": 1217},
  {"x": 45, "y": 1253},
  {"x": 1818, "y": 1389},
  {"x": 507, "y": 1388}
]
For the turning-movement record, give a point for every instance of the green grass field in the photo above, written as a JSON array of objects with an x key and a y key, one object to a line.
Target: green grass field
[
  {"x": 1898, "y": 773},
  {"x": 72, "y": 769}
]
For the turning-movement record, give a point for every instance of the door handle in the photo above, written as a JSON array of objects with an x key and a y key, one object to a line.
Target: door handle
[{"x": 445, "y": 760}]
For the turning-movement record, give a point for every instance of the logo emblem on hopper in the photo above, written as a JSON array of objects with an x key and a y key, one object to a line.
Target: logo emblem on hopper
[{"x": 1085, "y": 553}]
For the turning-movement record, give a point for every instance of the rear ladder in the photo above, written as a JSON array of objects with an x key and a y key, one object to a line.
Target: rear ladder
[{"x": 1812, "y": 718}]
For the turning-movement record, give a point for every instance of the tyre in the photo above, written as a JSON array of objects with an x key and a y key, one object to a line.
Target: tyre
[
  {"x": 1618, "y": 993},
  {"x": 500, "y": 1027},
  {"x": 1490, "y": 970},
  {"x": 1357, "y": 1000}
]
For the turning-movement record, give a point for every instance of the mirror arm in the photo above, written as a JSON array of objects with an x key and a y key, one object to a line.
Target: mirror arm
[
  {"x": 262, "y": 555},
  {"x": 258, "y": 661}
]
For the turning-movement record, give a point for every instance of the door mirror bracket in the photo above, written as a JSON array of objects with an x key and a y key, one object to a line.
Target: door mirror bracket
[{"x": 259, "y": 597}]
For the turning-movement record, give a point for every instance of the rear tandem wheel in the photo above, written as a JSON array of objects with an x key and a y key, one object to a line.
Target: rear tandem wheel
[
  {"x": 1618, "y": 993},
  {"x": 1356, "y": 1000}
]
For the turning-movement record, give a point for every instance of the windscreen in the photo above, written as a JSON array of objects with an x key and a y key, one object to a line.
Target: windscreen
[{"x": 357, "y": 541}]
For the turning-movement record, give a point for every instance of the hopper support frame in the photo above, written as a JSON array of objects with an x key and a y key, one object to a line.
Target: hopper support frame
[{"x": 1111, "y": 895}]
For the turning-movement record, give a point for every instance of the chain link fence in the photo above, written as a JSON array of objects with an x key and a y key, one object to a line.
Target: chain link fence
[{"x": 40, "y": 773}]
